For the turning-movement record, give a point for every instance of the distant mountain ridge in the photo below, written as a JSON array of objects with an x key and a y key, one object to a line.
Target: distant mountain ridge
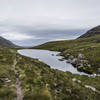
[
  {"x": 6, "y": 43},
  {"x": 91, "y": 32}
]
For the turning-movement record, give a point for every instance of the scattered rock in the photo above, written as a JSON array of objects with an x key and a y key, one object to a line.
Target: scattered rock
[
  {"x": 78, "y": 81},
  {"x": 80, "y": 50},
  {"x": 74, "y": 61},
  {"x": 62, "y": 59},
  {"x": 55, "y": 84},
  {"x": 84, "y": 61},
  {"x": 90, "y": 87},
  {"x": 58, "y": 54},
  {"x": 99, "y": 70},
  {"x": 71, "y": 57},
  {"x": 81, "y": 56},
  {"x": 7, "y": 80},
  {"x": 69, "y": 61},
  {"x": 66, "y": 51},
  {"x": 75, "y": 80},
  {"x": 97, "y": 41},
  {"x": 52, "y": 54},
  {"x": 80, "y": 66},
  {"x": 92, "y": 47},
  {"x": 80, "y": 62},
  {"x": 94, "y": 75},
  {"x": 89, "y": 65},
  {"x": 67, "y": 55}
]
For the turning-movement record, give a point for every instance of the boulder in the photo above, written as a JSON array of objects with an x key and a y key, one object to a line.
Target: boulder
[
  {"x": 67, "y": 55},
  {"x": 80, "y": 50},
  {"x": 80, "y": 66},
  {"x": 88, "y": 65},
  {"x": 62, "y": 59},
  {"x": 92, "y": 47},
  {"x": 74, "y": 61},
  {"x": 75, "y": 80},
  {"x": 58, "y": 54},
  {"x": 69, "y": 61},
  {"x": 71, "y": 57},
  {"x": 81, "y": 56},
  {"x": 99, "y": 70},
  {"x": 52, "y": 54}
]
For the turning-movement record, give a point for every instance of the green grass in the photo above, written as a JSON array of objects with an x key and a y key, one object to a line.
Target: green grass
[
  {"x": 40, "y": 82},
  {"x": 6, "y": 72}
]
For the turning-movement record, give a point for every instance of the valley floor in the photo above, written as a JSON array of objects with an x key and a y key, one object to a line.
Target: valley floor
[{"x": 37, "y": 81}]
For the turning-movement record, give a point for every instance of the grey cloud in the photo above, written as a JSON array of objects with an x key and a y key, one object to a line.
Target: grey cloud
[
  {"x": 48, "y": 19},
  {"x": 51, "y": 13}
]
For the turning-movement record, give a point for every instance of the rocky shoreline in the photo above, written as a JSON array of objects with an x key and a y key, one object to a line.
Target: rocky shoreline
[{"x": 80, "y": 62}]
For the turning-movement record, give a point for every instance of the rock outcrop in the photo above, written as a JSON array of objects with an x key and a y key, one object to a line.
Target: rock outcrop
[{"x": 80, "y": 62}]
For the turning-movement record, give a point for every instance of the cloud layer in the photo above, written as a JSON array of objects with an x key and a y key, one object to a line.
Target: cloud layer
[
  {"x": 17, "y": 36},
  {"x": 46, "y": 19},
  {"x": 48, "y": 14}
]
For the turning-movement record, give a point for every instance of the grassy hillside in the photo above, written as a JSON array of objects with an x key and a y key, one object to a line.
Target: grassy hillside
[
  {"x": 89, "y": 47},
  {"x": 40, "y": 82},
  {"x": 7, "y": 77}
]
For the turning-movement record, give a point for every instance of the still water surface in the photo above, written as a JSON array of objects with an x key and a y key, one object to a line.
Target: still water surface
[{"x": 51, "y": 59}]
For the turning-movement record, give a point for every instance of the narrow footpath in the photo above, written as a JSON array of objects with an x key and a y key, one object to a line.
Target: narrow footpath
[{"x": 18, "y": 82}]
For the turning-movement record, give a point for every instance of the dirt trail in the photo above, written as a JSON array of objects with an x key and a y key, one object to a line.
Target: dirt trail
[{"x": 18, "y": 82}]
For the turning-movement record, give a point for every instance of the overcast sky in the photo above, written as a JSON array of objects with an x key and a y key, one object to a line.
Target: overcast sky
[{"x": 22, "y": 19}]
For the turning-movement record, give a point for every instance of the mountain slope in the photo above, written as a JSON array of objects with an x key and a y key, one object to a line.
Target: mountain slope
[
  {"x": 89, "y": 47},
  {"x": 91, "y": 32},
  {"x": 39, "y": 82},
  {"x": 6, "y": 43}
]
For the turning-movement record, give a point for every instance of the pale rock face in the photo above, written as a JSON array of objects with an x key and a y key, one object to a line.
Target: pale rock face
[{"x": 90, "y": 87}]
